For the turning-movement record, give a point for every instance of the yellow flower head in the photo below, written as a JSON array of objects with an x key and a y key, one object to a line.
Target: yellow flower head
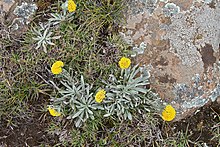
[
  {"x": 71, "y": 6},
  {"x": 100, "y": 95},
  {"x": 53, "y": 112},
  {"x": 168, "y": 113},
  {"x": 124, "y": 63},
  {"x": 57, "y": 67}
]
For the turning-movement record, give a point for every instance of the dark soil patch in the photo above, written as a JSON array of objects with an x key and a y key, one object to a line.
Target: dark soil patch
[
  {"x": 28, "y": 131},
  {"x": 199, "y": 127}
]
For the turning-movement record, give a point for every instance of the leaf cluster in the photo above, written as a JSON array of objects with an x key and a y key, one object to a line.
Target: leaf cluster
[
  {"x": 76, "y": 98},
  {"x": 125, "y": 94},
  {"x": 128, "y": 93}
]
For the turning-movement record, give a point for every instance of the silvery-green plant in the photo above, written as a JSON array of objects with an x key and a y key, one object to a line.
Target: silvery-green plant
[
  {"x": 138, "y": 50},
  {"x": 57, "y": 18},
  {"x": 76, "y": 99},
  {"x": 43, "y": 36},
  {"x": 129, "y": 93}
]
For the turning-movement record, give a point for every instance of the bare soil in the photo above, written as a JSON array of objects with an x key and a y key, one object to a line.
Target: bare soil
[{"x": 32, "y": 131}]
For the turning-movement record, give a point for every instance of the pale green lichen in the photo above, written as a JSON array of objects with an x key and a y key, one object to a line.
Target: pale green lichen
[
  {"x": 24, "y": 11},
  {"x": 196, "y": 102},
  {"x": 207, "y": 1},
  {"x": 204, "y": 1},
  {"x": 184, "y": 29},
  {"x": 142, "y": 5},
  {"x": 196, "y": 80},
  {"x": 138, "y": 50},
  {"x": 215, "y": 94},
  {"x": 187, "y": 32},
  {"x": 165, "y": 1},
  {"x": 171, "y": 9},
  {"x": 194, "y": 96},
  {"x": 199, "y": 101},
  {"x": 216, "y": 69}
]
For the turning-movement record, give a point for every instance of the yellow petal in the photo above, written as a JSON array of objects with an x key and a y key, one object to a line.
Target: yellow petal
[
  {"x": 124, "y": 63},
  {"x": 168, "y": 113},
  {"x": 100, "y": 95},
  {"x": 71, "y": 6},
  {"x": 53, "y": 112},
  {"x": 56, "y": 70},
  {"x": 58, "y": 64},
  {"x": 57, "y": 67}
]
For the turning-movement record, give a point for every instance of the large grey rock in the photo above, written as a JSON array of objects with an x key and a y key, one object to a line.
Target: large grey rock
[{"x": 181, "y": 44}]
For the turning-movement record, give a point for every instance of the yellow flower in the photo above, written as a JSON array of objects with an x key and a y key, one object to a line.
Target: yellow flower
[
  {"x": 53, "y": 112},
  {"x": 57, "y": 67},
  {"x": 100, "y": 95},
  {"x": 168, "y": 113},
  {"x": 124, "y": 63},
  {"x": 71, "y": 6}
]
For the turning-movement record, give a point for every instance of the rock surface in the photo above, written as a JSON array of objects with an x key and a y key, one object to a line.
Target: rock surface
[
  {"x": 181, "y": 44},
  {"x": 15, "y": 16}
]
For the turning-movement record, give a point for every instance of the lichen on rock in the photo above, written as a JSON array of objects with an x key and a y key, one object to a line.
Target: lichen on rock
[
  {"x": 24, "y": 11},
  {"x": 142, "y": 5},
  {"x": 15, "y": 17},
  {"x": 182, "y": 47},
  {"x": 171, "y": 9},
  {"x": 190, "y": 31},
  {"x": 137, "y": 50}
]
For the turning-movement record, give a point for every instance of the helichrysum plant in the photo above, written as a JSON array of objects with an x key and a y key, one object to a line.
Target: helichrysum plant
[
  {"x": 44, "y": 37},
  {"x": 44, "y": 33},
  {"x": 128, "y": 92},
  {"x": 121, "y": 96},
  {"x": 76, "y": 99},
  {"x": 57, "y": 18}
]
